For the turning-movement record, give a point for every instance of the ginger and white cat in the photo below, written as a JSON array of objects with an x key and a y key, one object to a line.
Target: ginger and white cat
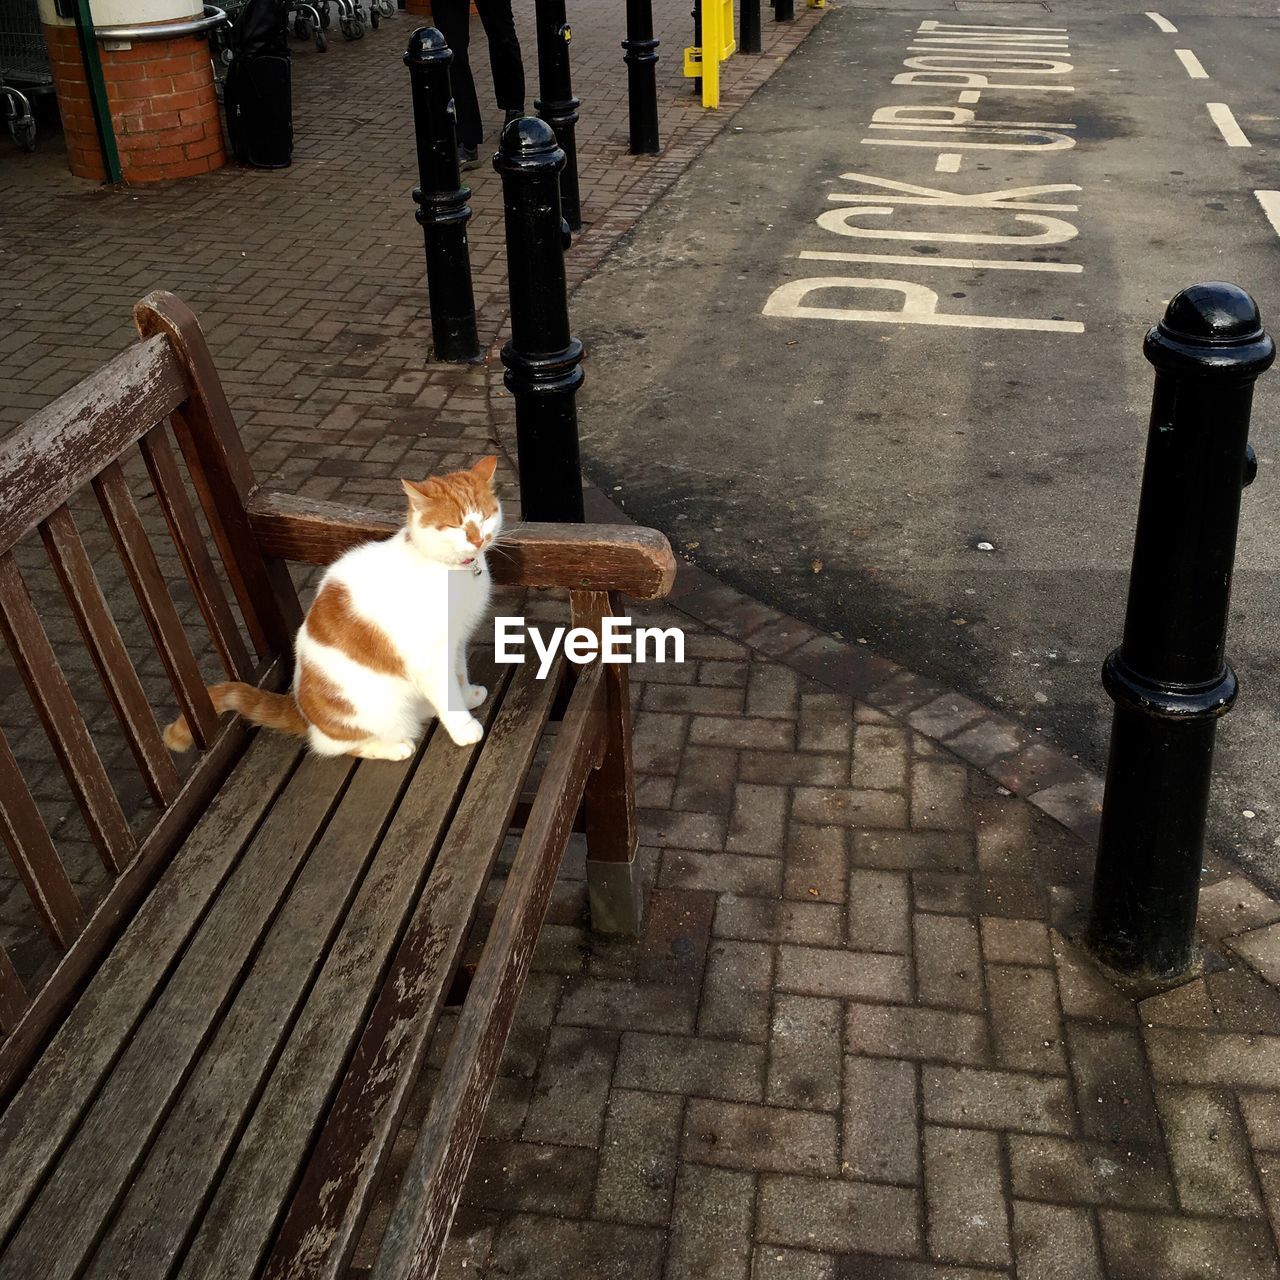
[{"x": 383, "y": 646}]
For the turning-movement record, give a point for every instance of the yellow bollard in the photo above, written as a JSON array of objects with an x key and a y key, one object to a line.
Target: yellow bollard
[{"x": 717, "y": 44}]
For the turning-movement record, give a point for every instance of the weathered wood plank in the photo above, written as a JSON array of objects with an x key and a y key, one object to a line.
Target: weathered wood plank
[
  {"x": 198, "y": 565},
  {"x": 333, "y": 1197},
  {"x": 47, "y": 1107},
  {"x": 13, "y": 994},
  {"x": 219, "y": 469},
  {"x": 157, "y": 605},
  {"x": 34, "y": 857},
  {"x": 637, "y": 562},
  {"x": 74, "y": 570},
  {"x": 238, "y": 1226},
  {"x": 433, "y": 1181},
  {"x": 55, "y": 704},
  {"x": 20, "y": 1050},
  {"x": 148, "y": 1231},
  {"x": 63, "y": 1223},
  {"x": 60, "y": 449}
]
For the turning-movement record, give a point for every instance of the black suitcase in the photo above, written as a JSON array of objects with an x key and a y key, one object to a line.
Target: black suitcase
[{"x": 257, "y": 92}]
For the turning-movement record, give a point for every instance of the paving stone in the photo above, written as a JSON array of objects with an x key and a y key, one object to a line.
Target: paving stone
[
  {"x": 725, "y": 674},
  {"x": 711, "y": 1224},
  {"x": 881, "y": 1136},
  {"x": 826, "y": 722},
  {"x": 623, "y": 1005},
  {"x": 862, "y": 1266},
  {"x": 1212, "y": 1168},
  {"x": 770, "y": 920},
  {"x": 758, "y": 821},
  {"x": 677, "y": 933},
  {"x": 816, "y": 863},
  {"x": 838, "y": 1216},
  {"x": 721, "y": 872},
  {"x": 804, "y": 1053},
  {"x": 1242, "y": 1001},
  {"x": 1114, "y": 1090},
  {"x": 769, "y": 1262},
  {"x": 639, "y": 1155},
  {"x": 536, "y": 1248},
  {"x": 879, "y": 757},
  {"x": 841, "y": 806},
  {"x": 705, "y": 699},
  {"x": 1024, "y": 942},
  {"x": 1067, "y": 1170},
  {"x": 894, "y": 1031},
  {"x": 572, "y": 1087},
  {"x": 790, "y": 768},
  {"x": 656, "y": 740},
  {"x": 670, "y": 829},
  {"x": 1233, "y": 905},
  {"x": 1262, "y": 1119},
  {"x": 858, "y": 975},
  {"x": 940, "y": 796},
  {"x": 1185, "y": 1248},
  {"x": 1082, "y": 988},
  {"x": 772, "y": 690},
  {"x": 742, "y": 733},
  {"x": 681, "y": 1064},
  {"x": 997, "y": 1100},
  {"x": 948, "y": 961},
  {"x": 736, "y": 994},
  {"x": 909, "y": 850},
  {"x": 965, "y": 1196},
  {"x": 1186, "y": 1006},
  {"x": 1054, "y": 1242},
  {"x": 1026, "y": 1023},
  {"x": 879, "y": 912},
  {"x": 754, "y": 1138},
  {"x": 532, "y": 1177},
  {"x": 1002, "y": 833},
  {"x": 946, "y": 715},
  {"x": 1261, "y": 948},
  {"x": 705, "y": 783}
]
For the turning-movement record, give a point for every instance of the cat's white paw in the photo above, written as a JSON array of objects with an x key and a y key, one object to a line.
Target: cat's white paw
[
  {"x": 465, "y": 732},
  {"x": 473, "y": 695},
  {"x": 386, "y": 750}
]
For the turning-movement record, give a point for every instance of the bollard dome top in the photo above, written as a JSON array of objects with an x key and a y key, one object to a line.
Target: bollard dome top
[
  {"x": 427, "y": 45},
  {"x": 528, "y": 144},
  {"x": 1211, "y": 328}
]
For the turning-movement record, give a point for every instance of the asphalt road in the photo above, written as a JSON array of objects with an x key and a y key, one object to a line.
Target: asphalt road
[{"x": 960, "y": 498}]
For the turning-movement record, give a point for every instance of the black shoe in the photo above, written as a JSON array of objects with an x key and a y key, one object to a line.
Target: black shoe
[
  {"x": 467, "y": 158},
  {"x": 513, "y": 113}
]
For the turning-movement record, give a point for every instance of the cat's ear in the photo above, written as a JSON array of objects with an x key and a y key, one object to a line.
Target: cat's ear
[
  {"x": 485, "y": 468},
  {"x": 419, "y": 494}
]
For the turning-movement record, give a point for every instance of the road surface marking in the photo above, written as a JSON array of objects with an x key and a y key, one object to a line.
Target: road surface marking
[
  {"x": 1270, "y": 202},
  {"x": 967, "y": 264},
  {"x": 1192, "y": 64},
  {"x": 969, "y": 96},
  {"x": 1163, "y": 23},
  {"x": 1231, "y": 132},
  {"x": 948, "y": 162}
]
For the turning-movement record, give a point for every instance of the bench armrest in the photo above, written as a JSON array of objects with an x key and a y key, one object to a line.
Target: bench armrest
[{"x": 582, "y": 557}]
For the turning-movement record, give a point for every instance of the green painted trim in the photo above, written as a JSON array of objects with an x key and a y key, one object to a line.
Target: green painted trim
[{"x": 98, "y": 92}]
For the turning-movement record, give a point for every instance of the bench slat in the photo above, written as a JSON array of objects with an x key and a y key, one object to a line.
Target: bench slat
[
  {"x": 74, "y": 570},
  {"x": 433, "y": 1181},
  {"x": 60, "y": 449},
  {"x": 147, "y": 1232},
  {"x": 59, "y": 1088},
  {"x": 56, "y": 706},
  {"x": 197, "y": 563},
  {"x": 328, "y": 1209},
  {"x": 34, "y": 856},
  {"x": 148, "y": 582},
  {"x": 64, "y": 1220},
  {"x": 13, "y": 995},
  {"x": 238, "y": 1225}
]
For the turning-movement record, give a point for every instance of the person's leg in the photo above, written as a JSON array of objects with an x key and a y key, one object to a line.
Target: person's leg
[
  {"x": 453, "y": 19},
  {"x": 504, "y": 53}
]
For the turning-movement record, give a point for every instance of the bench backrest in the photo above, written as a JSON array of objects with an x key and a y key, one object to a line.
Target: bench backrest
[{"x": 123, "y": 422}]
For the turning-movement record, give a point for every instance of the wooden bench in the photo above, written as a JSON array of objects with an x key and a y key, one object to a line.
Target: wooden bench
[{"x": 210, "y": 1080}]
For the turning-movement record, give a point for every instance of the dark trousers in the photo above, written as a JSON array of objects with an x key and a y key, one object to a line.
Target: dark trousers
[{"x": 453, "y": 19}]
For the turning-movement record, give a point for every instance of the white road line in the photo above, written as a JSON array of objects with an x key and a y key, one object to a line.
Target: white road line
[
  {"x": 967, "y": 264},
  {"x": 1270, "y": 202},
  {"x": 1163, "y": 23},
  {"x": 948, "y": 162},
  {"x": 1192, "y": 64},
  {"x": 1231, "y": 132}
]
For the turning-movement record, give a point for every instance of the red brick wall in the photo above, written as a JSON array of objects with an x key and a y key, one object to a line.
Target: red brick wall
[{"x": 163, "y": 106}]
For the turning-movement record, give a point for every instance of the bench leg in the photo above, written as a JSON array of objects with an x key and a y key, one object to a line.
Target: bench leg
[{"x": 609, "y": 804}]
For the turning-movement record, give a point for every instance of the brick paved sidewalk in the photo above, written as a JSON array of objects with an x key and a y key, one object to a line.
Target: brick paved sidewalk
[{"x": 857, "y": 1039}]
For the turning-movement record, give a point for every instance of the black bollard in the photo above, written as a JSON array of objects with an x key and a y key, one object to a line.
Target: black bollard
[
  {"x": 556, "y": 103},
  {"x": 641, "y": 58},
  {"x": 749, "y": 26},
  {"x": 443, "y": 211},
  {"x": 543, "y": 359},
  {"x": 1169, "y": 679},
  {"x": 784, "y": 10}
]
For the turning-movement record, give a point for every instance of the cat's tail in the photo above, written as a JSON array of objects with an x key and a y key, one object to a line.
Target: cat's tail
[{"x": 271, "y": 710}]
